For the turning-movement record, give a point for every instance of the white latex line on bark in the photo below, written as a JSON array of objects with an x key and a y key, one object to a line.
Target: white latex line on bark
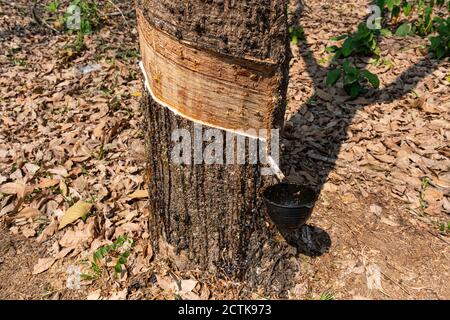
[
  {"x": 273, "y": 165},
  {"x": 276, "y": 169}
]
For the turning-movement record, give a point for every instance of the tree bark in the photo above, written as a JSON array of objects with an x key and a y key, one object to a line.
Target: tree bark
[{"x": 211, "y": 217}]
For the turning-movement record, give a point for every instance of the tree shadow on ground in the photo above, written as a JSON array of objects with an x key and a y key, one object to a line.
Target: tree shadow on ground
[{"x": 309, "y": 240}]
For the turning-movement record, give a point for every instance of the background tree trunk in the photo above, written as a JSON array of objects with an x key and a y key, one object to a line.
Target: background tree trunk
[{"x": 210, "y": 216}]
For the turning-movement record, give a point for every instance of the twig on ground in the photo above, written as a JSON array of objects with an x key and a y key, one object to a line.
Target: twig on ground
[
  {"x": 395, "y": 282},
  {"x": 38, "y": 20},
  {"x": 439, "y": 237},
  {"x": 120, "y": 12}
]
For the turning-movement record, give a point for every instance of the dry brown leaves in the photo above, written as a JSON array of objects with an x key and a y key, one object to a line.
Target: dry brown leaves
[
  {"x": 71, "y": 133},
  {"x": 397, "y": 137}
]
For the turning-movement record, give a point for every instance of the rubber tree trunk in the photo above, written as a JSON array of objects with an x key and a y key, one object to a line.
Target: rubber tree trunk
[{"x": 211, "y": 217}]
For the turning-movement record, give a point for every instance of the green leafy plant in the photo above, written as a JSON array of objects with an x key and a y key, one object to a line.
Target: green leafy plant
[
  {"x": 362, "y": 42},
  {"x": 79, "y": 44},
  {"x": 445, "y": 227},
  {"x": 404, "y": 30},
  {"x": 424, "y": 24},
  {"x": 326, "y": 296},
  {"x": 424, "y": 10},
  {"x": 353, "y": 78},
  {"x": 120, "y": 249},
  {"x": 425, "y": 182},
  {"x": 80, "y": 17},
  {"x": 296, "y": 34},
  {"x": 440, "y": 44},
  {"x": 428, "y": 21},
  {"x": 89, "y": 18},
  {"x": 53, "y": 6}
]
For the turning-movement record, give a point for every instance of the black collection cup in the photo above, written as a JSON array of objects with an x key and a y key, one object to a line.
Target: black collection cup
[{"x": 289, "y": 205}]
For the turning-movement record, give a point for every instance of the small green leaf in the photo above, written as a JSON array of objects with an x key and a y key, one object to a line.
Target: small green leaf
[
  {"x": 407, "y": 8},
  {"x": 341, "y": 37},
  {"x": 331, "y": 49},
  {"x": 347, "y": 47},
  {"x": 386, "y": 32},
  {"x": 118, "y": 268},
  {"x": 95, "y": 268},
  {"x": 395, "y": 11},
  {"x": 403, "y": 30},
  {"x": 390, "y": 4},
  {"x": 122, "y": 260},
  {"x": 349, "y": 69},
  {"x": 333, "y": 76},
  {"x": 373, "y": 78},
  {"x": 296, "y": 34},
  {"x": 354, "y": 91},
  {"x": 97, "y": 256},
  {"x": 440, "y": 52}
]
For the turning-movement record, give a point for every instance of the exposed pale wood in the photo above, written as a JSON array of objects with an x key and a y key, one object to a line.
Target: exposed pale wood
[{"x": 214, "y": 89}]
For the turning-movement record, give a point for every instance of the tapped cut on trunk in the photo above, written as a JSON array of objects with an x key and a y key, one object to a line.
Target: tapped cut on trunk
[{"x": 206, "y": 87}]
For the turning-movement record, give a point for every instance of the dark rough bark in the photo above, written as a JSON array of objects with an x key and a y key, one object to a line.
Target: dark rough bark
[
  {"x": 212, "y": 216},
  {"x": 256, "y": 28}
]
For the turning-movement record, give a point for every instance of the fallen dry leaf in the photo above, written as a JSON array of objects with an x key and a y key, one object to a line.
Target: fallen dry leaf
[
  {"x": 28, "y": 232},
  {"x": 324, "y": 95},
  {"x": 188, "y": 285},
  {"x": 74, "y": 238},
  {"x": 75, "y": 212},
  {"x": 384, "y": 158},
  {"x": 434, "y": 199},
  {"x": 47, "y": 183},
  {"x": 59, "y": 171},
  {"x": 433, "y": 195},
  {"x": 430, "y": 108},
  {"x": 120, "y": 295},
  {"x": 64, "y": 252},
  {"x": 189, "y": 295},
  {"x": 16, "y": 188},
  {"x": 389, "y": 222},
  {"x": 138, "y": 194},
  {"x": 48, "y": 231},
  {"x": 43, "y": 265},
  {"x": 28, "y": 212},
  {"x": 31, "y": 168},
  {"x": 166, "y": 283},
  {"x": 95, "y": 295},
  {"x": 63, "y": 188},
  {"x": 376, "y": 210}
]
